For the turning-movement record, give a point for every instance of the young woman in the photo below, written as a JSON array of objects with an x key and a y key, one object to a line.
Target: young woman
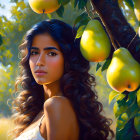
[{"x": 56, "y": 100}]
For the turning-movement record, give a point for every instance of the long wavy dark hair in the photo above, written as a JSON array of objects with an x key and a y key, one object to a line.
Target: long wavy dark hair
[{"x": 76, "y": 84}]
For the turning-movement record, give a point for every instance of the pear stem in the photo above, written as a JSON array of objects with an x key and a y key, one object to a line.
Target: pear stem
[
  {"x": 107, "y": 29},
  {"x": 43, "y": 13},
  {"x": 88, "y": 12},
  {"x": 132, "y": 40}
]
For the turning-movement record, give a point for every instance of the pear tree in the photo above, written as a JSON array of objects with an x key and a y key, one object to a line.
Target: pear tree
[{"x": 122, "y": 58}]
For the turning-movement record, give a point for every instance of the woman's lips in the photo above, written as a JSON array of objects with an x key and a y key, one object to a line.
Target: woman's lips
[{"x": 40, "y": 73}]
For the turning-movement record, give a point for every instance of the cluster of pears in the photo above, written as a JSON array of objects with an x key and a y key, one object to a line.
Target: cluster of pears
[{"x": 123, "y": 72}]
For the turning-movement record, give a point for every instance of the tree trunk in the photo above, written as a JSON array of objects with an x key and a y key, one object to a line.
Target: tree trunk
[{"x": 120, "y": 30}]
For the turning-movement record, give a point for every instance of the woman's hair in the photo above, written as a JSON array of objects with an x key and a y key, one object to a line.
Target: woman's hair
[{"x": 76, "y": 84}]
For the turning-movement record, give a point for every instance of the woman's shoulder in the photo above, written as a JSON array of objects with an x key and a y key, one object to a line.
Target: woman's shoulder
[
  {"x": 61, "y": 114},
  {"x": 59, "y": 102}
]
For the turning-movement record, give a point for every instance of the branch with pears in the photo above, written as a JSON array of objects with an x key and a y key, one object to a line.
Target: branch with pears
[{"x": 123, "y": 72}]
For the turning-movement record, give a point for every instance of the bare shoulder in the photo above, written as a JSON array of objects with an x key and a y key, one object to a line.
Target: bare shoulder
[
  {"x": 59, "y": 102},
  {"x": 60, "y": 116}
]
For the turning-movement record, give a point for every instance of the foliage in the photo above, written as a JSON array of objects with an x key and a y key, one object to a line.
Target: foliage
[{"x": 6, "y": 125}]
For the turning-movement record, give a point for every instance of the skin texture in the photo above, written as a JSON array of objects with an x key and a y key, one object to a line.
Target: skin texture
[{"x": 59, "y": 114}]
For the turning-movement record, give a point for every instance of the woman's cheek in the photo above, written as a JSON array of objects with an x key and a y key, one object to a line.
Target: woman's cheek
[{"x": 56, "y": 65}]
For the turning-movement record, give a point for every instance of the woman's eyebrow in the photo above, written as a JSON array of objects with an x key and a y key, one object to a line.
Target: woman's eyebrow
[{"x": 47, "y": 48}]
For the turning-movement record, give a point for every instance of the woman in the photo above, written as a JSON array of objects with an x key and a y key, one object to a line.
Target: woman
[{"x": 56, "y": 101}]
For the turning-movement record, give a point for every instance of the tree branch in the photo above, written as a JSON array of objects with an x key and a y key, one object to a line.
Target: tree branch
[{"x": 114, "y": 20}]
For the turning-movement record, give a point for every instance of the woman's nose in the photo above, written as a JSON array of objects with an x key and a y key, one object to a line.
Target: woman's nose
[{"x": 40, "y": 60}]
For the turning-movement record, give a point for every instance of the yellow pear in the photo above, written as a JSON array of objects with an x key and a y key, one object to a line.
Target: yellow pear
[
  {"x": 137, "y": 9},
  {"x": 44, "y": 6},
  {"x": 123, "y": 72},
  {"x": 95, "y": 45}
]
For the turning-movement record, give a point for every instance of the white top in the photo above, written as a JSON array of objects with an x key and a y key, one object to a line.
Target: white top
[{"x": 33, "y": 134}]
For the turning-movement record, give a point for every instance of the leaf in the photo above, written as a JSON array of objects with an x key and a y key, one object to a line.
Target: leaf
[
  {"x": 83, "y": 22},
  {"x": 81, "y": 17},
  {"x": 127, "y": 115},
  {"x": 138, "y": 98},
  {"x": 106, "y": 64},
  {"x": 82, "y": 4},
  {"x": 98, "y": 66},
  {"x": 59, "y": 1},
  {"x": 1, "y": 40},
  {"x": 75, "y": 3},
  {"x": 112, "y": 95},
  {"x": 63, "y": 2},
  {"x": 80, "y": 31},
  {"x": 126, "y": 133},
  {"x": 137, "y": 122},
  {"x": 119, "y": 107},
  {"x": 60, "y": 11},
  {"x": 123, "y": 103},
  {"x": 137, "y": 48},
  {"x": 120, "y": 96},
  {"x": 129, "y": 3},
  {"x": 49, "y": 16}
]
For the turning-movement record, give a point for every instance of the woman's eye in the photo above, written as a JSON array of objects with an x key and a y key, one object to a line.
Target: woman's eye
[
  {"x": 32, "y": 53},
  {"x": 53, "y": 54}
]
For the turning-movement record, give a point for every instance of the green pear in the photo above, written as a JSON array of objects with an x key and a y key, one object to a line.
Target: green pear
[
  {"x": 123, "y": 72},
  {"x": 95, "y": 45}
]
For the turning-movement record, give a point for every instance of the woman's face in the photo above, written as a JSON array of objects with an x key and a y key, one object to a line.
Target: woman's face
[{"x": 46, "y": 56}]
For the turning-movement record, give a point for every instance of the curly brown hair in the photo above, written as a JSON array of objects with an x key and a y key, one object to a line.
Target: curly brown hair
[{"x": 76, "y": 84}]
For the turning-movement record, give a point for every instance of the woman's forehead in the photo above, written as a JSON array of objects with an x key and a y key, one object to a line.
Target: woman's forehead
[{"x": 45, "y": 42}]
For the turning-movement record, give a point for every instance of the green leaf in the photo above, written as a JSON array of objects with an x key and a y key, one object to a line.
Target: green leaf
[
  {"x": 60, "y": 11},
  {"x": 106, "y": 64},
  {"x": 120, "y": 96},
  {"x": 129, "y": 3},
  {"x": 138, "y": 98},
  {"x": 127, "y": 115},
  {"x": 123, "y": 103},
  {"x": 126, "y": 133},
  {"x": 74, "y": 3},
  {"x": 63, "y": 2},
  {"x": 82, "y": 4},
  {"x": 137, "y": 48},
  {"x": 1, "y": 40},
  {"x": 49, "y": 16},
  {"x": 98, "y": 66},
  {"x": 137, "y": 122},
  {"x": 113, "y": 94},
  {"x": 119, "y": 107},
  {"x": 80, "y": 31},
  {"x": 82, "y": 16},
  {"x": 83, "y": 22}
]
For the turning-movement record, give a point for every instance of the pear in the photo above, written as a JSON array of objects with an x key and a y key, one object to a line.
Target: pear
[
  {"x": 123, "y": 72},
  {"x": 137, "y": 9},
  {"x": 44, "y": 6},
  {"x": 95, "y": 45}
]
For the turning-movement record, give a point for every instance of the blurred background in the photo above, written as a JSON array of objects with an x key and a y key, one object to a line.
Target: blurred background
[{"x": 16, "y": 17}]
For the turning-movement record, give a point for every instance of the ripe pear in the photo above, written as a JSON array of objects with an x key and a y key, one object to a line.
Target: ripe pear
[
  {"x": 44, "y": 6},
  {"x": 95, "y": 45},
  {"x": 123, "y": 72},
  {"x": 137, "y": 9}
]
